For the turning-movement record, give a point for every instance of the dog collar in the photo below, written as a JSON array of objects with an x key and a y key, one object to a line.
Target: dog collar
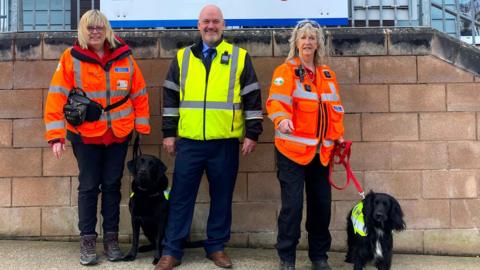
[
  {"x": 358, "y": 220},
  {"x": 166, "y": 194}
]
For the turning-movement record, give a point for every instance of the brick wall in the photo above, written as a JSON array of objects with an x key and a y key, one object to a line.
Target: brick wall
[{"x": 413, "y": 111}]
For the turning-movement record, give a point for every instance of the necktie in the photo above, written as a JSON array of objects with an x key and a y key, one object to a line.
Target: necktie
[{"x": 208, "y": 59}]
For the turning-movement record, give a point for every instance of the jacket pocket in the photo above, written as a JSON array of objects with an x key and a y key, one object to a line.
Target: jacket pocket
[
  {"x": 295, "y": 147},
  {"x": 335, "y": 120},
  {"x": 305, "y": 118}
]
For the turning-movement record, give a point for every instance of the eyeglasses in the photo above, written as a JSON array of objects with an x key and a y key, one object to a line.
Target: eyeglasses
[
  {"x": 99, "y": 29},
  {"x": 302, "y": 23}
]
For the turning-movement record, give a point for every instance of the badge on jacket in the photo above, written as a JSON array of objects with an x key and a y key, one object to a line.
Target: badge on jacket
[
  {"x": 122, "y": 84},
  {"x": 278, "y": 81},
  {"x": 122, "y": 70}
]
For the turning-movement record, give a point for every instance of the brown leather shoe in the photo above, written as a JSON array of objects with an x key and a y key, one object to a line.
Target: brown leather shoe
[
  {"x": 220, "y": 259},
  {"x": 167, "y": 262}
]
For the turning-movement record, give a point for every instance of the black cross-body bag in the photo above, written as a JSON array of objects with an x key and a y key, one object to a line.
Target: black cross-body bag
[{"x": 79, "y": 108}]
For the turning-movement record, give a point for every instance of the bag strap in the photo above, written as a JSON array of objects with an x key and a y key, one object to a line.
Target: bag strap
[
  {"x": 136, "y": 147},
  {"x": 116, "y": 104}
]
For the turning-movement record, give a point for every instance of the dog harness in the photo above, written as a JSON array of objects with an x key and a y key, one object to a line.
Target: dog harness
[{"x": 358, "y": 221}]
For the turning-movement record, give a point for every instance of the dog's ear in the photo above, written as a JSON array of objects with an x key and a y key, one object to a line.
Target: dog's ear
[
  {"x": 131, "y": 166},
  {"x": 396, "y": 216},
  {"x": 368, "y": 206}
]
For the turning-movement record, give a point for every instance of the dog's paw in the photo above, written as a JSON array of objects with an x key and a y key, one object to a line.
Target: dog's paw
[
  {"x": 129, "y": 257},
  {"x": 155, "y": 261}
]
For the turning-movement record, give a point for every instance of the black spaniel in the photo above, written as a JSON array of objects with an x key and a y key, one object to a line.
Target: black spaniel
[{"x": 369, "y": 226}]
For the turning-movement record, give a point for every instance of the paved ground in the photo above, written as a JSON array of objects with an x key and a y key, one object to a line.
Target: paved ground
[{"x": 19, "y": 255}]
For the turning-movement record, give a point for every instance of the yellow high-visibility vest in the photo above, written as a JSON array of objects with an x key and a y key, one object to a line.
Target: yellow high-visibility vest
[
  {"x": 210, "y": 108},
  {"x": 358, "y": 221}
]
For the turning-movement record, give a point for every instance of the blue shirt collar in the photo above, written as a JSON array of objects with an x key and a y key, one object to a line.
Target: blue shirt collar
[{"x": 205, "y": 48}]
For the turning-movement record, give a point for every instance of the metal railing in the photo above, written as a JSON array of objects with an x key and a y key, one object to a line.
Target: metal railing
[{"x": 459, "y": 18}]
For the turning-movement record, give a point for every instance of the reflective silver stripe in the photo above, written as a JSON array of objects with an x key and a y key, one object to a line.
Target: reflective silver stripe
[
  {"x": 55, "y": 125},
  {"x": 327, "y": 143},
  {"x": 171, "y": 85},
  {"x": 283, "y": 98},
  {"x": 103, "y": 94},
  {"x": 142, "y": 121},
  {"x": 210, "y": 105},
  {"x": 186, "y": 59},
  {"x": 293, "y": 62},
  {"x": 130, "y": 63},
  {"x": 233, "y": 74},
  {"x": 77, "y": 72},
  {"x": 107, "y": 98},
  {"x": 139, "y": 93},
  {"x": 249, "y": 88},
  {"x": 253, "y": 115},
  {"x": 109, "y": 116},
  {"x": 333, "y": 96},
  {"x": 58, "y": 89},
  {"x": 311, "y": 142},
  {"x": 171, "y": 112},
  {"x": 301, "y": 93},
  {"x": 273, "y": 116}
]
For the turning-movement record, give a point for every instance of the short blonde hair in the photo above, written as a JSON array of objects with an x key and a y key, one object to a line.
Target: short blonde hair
[
  {"x": 94, "y": 17},
  {"x": 308, "y": 27}
]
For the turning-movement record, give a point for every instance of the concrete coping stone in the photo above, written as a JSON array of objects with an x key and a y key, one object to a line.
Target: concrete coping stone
[{"x": 369, "y": 41}]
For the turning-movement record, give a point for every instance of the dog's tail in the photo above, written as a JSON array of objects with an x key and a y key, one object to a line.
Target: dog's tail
[{"x": 194, "y": 244}]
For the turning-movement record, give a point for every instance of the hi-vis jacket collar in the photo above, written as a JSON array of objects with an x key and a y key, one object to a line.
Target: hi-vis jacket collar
[{"x": 358, "y": 221}]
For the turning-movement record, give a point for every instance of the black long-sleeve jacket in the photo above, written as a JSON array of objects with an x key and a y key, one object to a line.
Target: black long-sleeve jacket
[{"x": 251, "y": 97}]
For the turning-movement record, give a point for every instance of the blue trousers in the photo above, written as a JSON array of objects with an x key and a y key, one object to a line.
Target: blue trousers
[
  {"x": 219, "y": 159},
  {"x": 101, "y": 170}
]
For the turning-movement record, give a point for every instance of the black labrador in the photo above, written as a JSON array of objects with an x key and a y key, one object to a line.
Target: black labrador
[
  {"x": 148, "y": 205},
  {"x": 370, "y": 231}
]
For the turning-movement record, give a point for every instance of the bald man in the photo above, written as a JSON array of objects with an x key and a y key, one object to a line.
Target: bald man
[{"x": 211, "y": 100}]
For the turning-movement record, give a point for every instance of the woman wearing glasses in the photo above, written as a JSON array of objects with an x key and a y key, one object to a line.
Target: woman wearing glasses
[
  {"x": 99, "y": 66},
  {"x": 305, "y": 107}
]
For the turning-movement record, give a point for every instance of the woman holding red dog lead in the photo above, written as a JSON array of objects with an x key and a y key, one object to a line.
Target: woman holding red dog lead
[
  {"x": 96, "y": 98},
  {"x": 305, "y": 107}
]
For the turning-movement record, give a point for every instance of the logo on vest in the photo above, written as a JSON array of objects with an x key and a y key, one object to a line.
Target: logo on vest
[{"x": 278, "y": 81}]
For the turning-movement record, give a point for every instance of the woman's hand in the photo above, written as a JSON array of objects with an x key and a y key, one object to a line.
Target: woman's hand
[
  {"x": 286, "y": 126},
  {"x": 57, "y": 149}
]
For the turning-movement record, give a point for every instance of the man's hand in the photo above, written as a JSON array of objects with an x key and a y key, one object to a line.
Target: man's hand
[
  {"x": 249, "y": 146},
  {"x": 169, "y": 145},
  {"x": 57, "y": 149},
  {"x": 286, "y": 126}
]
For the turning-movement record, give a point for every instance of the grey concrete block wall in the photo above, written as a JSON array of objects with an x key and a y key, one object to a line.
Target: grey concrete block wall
[{"x": 412, "y": 109}]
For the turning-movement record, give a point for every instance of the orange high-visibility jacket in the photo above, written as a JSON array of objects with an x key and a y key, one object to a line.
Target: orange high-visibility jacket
[
  {"x": 315, "y": 109},
  {"x": 104, "y": 84}
]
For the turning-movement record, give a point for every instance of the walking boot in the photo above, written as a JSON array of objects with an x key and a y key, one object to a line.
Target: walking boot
[
  {"x": 321, "y": 265},
  {"x": 111, "y": 249},
  {"x": 284, "y": 265},
  {"x": 88, "y": 254}
]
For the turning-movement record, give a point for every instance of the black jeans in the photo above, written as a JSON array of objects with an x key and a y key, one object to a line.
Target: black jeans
[
  {"x": 292, "y": 177},
  {"x": 101, "y": 170}
]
